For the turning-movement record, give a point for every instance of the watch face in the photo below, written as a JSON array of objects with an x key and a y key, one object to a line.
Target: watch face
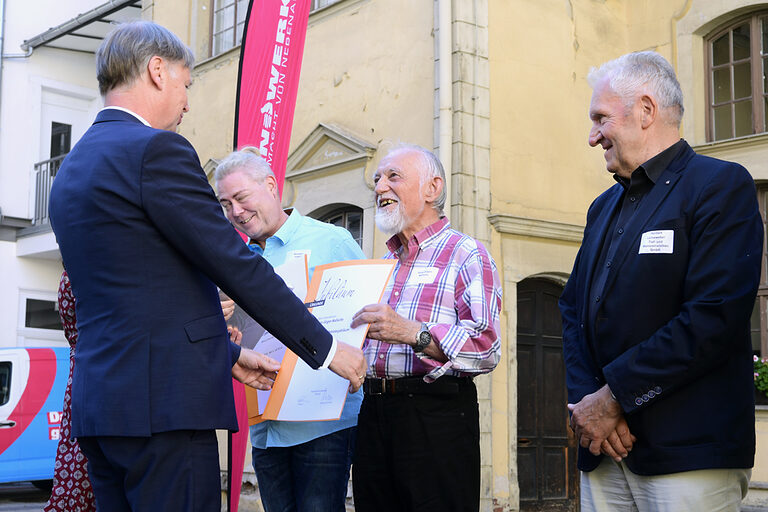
[{"x": 424, "y": 339}]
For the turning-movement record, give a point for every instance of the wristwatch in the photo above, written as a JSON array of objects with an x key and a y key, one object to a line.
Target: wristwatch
[{"x": 423, "y": 338}]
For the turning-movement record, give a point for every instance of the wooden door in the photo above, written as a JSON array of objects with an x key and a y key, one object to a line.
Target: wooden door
[{"x": 546, "y": 452}]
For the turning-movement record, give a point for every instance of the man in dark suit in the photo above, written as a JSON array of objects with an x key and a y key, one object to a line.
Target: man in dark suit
[
  {"x": 656, "y": 313},
  {"x": 144, "y": 240}
]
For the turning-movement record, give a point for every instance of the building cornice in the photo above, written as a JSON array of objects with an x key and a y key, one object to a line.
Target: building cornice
[{"x": 523, "y": 226}]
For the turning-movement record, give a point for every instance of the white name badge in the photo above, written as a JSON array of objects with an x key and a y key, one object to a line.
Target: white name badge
[
  {"x": 298, "y": 254},
  {"x": 657, "y": 242},
  {"x": 423, "y": 275}
]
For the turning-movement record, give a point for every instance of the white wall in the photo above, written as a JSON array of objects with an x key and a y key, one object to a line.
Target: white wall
[
  {"x": 24, "y": 276},
  {"x": 24, "y": 81},
  {"x": 50, "y": 85}
]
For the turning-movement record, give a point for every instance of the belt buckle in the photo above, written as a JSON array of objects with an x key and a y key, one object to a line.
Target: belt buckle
[{"x": 381, "y": 386}]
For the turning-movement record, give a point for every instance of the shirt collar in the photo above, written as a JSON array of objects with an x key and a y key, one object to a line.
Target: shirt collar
[
  {"x": 286, "y": 231},
  {"x": 654, "y": 166},
  {"x": 394, "y": 244},
  {"x": 134, "y": 114}
]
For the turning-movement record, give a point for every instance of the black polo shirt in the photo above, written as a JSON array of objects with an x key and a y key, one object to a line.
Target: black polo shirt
[{"x": 641, "y": 181}]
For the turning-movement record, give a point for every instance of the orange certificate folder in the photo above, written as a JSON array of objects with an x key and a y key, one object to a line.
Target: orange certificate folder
[{"x": 337, "y": 291}]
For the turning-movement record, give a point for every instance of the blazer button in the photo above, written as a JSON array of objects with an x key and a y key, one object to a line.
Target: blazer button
[
  {"x": 638, "y": 401},
  {"x": 581, "y": 326},
  {"x": 651, "y": 393},
  {"x": 657, "y": 389},
  {"x": 645, "y": 398}
]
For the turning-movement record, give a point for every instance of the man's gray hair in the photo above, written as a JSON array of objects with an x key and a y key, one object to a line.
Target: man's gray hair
[
  {"x": 247, "y": 160},
  {"x": 629, "y": 73},
  {"x": 431, "y": 167},
  {"x": 126, "y": 50}
]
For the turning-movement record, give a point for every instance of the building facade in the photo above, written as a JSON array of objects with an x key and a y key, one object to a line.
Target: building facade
[{"x": 498, "y": 89}]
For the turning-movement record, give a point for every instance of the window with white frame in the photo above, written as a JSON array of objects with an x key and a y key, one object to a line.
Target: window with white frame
[{"x": 228, "y": 21}]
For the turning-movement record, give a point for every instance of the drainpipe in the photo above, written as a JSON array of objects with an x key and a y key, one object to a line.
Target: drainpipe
[{"x": 445, "y": 96}]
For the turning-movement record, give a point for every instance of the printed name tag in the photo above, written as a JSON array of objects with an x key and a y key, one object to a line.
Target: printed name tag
[
  {"x": 298, "y": 254},
  {"x": 657, "y": 242},
  {"x": 424, "y": 275}
]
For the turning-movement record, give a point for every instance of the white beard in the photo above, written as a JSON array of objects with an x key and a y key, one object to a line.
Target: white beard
[{"x": 390, "y": 222}]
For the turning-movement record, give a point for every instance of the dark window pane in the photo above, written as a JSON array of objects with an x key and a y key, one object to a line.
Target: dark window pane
[
  {"x": 720, "y": 53},
  {"x": 765, "y": 109},
  {"x": 61, "y": 139},
  {"x": 754, "y": 324},
  {"x": 721, "y": 84},
  {"x": 764, "y": 28},
  {"x": 42, "y": 314},
  {"x": 722, "y": 122},
  {"x": 741, "y": 45},
  {"x": 349, "y": 218},
  {"x": 354, "y": 225},
  {"x": 765, "y": 75},
  {"x": 5, "y": 382},
  {"x": 742, "y": 80},
  {"x": 743, "y": 111}
]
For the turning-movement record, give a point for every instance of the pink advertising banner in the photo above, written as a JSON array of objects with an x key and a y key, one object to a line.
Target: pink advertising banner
[
  {"x": 270, "y": 63},
  {"x": 268, "y": 81}
]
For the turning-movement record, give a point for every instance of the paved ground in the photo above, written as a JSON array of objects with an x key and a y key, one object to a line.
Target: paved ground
[{"x": 21, "y": 496}]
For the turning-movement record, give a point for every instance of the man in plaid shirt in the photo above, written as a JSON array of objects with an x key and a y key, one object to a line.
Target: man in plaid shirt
[{"x": 437, "y": 327}]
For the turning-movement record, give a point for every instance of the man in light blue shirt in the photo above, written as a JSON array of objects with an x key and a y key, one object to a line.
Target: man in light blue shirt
[{"x": 300, "y": 466}]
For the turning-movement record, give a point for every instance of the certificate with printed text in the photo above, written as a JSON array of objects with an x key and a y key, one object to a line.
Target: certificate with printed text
[{"x": 336, "y": 293}]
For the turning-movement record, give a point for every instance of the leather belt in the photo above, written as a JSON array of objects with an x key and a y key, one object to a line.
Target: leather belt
[{"x": 445, "y": 385}]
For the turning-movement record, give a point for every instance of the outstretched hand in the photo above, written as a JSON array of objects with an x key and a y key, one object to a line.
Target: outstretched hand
[{"x": 255, "y": 370}]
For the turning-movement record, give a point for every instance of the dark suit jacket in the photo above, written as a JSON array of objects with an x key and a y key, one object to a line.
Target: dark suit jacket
[
  {"x": 671, "y": 335},
  {"x": 144, "y": 240}
]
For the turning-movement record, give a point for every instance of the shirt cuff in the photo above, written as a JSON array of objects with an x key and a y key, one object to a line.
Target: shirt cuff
[{"x": 331, "y": 354}]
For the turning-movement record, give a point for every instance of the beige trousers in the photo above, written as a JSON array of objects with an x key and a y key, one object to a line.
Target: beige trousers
[{"x": 612, "y": 487}]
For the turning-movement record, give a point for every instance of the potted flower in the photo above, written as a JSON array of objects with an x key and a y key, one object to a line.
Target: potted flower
[{"x": 761, "y": 380}]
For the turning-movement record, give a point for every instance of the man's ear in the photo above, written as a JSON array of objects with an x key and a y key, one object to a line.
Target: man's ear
[
  {"x": 271, "y": 183},
  {"x": 650, "y": 110},
  {"x": 157, "y": 69},
  {"x": 433, "y": 188}
]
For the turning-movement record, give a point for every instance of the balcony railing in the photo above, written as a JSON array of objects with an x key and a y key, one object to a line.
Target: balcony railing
[{"x": 45, "y": 172}]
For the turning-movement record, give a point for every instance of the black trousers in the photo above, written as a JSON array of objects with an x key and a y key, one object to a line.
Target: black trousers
[
  {"x": 171, "y": 471},
  {"x": 418, "y": 452}
]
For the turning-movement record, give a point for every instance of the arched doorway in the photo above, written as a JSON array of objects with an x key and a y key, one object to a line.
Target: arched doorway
[{"x": 546, "y": 452}]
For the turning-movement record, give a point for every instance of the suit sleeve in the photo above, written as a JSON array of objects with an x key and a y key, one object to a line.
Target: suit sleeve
[
  {"x": 179, "y": 201},
  {"x": 580, "y": 373},
  {"x": 725, "y": 251}
]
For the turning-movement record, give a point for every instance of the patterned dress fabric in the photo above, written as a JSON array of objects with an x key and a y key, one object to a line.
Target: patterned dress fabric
[{"x": 72, "y": 491}]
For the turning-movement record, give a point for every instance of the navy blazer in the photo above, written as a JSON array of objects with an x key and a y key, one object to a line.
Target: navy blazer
[
  {"x": 671, "y": 335},
  {"x": 144, "y": 239}
]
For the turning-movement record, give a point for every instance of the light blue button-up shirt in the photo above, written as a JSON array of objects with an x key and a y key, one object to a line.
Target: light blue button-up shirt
[{"x": 324, "y": 243}]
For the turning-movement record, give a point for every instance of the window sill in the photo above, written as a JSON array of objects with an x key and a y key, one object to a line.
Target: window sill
[{"x": 758, "y": 139}]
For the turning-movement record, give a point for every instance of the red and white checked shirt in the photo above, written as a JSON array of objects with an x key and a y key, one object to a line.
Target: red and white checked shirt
[{"x": 448, "y": 281}]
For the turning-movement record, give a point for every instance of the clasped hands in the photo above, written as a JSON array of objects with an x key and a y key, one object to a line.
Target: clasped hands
[{"x": 600, "y": 426}]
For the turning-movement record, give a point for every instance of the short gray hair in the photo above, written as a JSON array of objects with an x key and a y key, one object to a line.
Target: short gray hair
[
  {"x": 431, "y": 167},
  {"x": 628, "y": 73},
  {"x": 125, "y": 52},
  {"x": 247, "y": 160}
]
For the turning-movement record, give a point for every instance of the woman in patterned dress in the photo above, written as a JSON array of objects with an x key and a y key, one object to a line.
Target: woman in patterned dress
[{"x": 72, "y": 491}]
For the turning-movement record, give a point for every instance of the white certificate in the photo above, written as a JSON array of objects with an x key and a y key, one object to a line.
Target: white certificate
[{"x": 336, "y": 293}]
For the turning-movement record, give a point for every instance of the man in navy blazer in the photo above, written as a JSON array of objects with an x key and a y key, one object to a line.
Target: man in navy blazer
[
  {"x": 144, "y": 240},
  {"x": 656, "y": 313}
]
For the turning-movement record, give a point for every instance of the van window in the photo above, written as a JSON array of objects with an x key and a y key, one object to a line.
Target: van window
[{"x": 5, "y": 382}]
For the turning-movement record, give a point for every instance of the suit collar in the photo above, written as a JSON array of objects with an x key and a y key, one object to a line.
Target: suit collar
[{"x": 118, "y": 114}]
